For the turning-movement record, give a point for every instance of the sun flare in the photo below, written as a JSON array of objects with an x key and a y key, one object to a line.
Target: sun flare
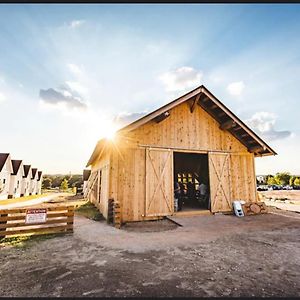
[{"x": 110, "y": 134}]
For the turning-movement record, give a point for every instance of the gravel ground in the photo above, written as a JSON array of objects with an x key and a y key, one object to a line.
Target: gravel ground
[{"x": 206, "y": 256}]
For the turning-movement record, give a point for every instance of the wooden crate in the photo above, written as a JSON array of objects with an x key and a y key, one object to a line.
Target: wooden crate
[{"x": 59, "y": 218}]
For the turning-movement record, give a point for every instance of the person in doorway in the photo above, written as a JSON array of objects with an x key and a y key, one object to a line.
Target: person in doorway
[
  {"x": 182, "y": 195},
  {"x": 177, "y": 195},
  {"x": 202, "y": 192}
]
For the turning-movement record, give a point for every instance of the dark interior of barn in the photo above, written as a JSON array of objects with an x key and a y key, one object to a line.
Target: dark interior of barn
[{"x": 191, "y": 181}]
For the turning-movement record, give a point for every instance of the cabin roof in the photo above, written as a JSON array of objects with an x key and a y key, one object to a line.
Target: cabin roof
[
  {"x": 34, "y": 170},
  {"x": 26, "y": 170},
  {"x": 3, "y": 158},
  {"x": 15, "y": 166},
  {"x": 39, "y": 175},
  {"x": 86, "y": 174},
  {"x": 203, "y": 97}
]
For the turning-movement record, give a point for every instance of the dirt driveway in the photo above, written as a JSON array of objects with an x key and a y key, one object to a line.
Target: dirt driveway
[{"x": 207, "y": 256}]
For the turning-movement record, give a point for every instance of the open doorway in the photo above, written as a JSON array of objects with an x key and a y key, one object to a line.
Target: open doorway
[{"x": 191, "y": 181}]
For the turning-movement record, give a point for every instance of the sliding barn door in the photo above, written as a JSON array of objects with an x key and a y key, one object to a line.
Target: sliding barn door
[
  {"x": 219, "y": 181},
  {"x": 243, "y": 179},
  {"x": 159, "y": 182}
]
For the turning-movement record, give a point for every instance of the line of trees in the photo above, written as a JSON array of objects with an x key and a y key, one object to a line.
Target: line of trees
[
  {"x": 62, "y": 182},
  {"x": 284, "y": 178}
]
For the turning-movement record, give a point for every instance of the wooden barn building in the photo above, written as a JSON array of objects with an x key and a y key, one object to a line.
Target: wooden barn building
[{"x": 190, "y": 140}]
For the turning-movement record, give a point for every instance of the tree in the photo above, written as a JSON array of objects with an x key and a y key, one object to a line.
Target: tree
[
  {"x": 77, "y": 184},
  {"x": 283, "y": 178},
  {"x": 271, "y": 180},
  {"x": 292, "y": 179},
  {"x": 267, "y": 178},
  {"x": 297, "y": 181},
  {"x": 64, "y": 185},
  {"x": 56, "y": 180},
  {"x": 75, "y": 179},
  {"x": 47, "y": 182}
]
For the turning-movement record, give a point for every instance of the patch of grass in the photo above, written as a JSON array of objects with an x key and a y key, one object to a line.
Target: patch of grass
[
  {"x": 90, "y": 211},
  {"x": 21, "y": 199},
  {"x": 25, "y": 240}
]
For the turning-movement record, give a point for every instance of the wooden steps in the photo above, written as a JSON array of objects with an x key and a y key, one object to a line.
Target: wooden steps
[{"x": 190, "y": 213}]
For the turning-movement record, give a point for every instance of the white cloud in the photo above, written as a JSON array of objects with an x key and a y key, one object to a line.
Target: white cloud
[
  {"x": 76, "y": 23},
  {"x": 75, "y": 69},
  {"x": 236, "y": 88},
  {"x": 263, "y": 123},
  {"x": 181, "y": 79},
  {"x": 62, "y": 98}
]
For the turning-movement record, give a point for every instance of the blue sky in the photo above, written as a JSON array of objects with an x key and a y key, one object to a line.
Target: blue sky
[{"x": 68, "y": 71}]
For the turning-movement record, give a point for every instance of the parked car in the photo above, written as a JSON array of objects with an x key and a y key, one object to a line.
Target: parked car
[
  {"x": 262, "y": 188},
  {"x": 274, "y": 187}
]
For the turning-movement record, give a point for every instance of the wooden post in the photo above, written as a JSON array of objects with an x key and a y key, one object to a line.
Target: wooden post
[
  {"x": 70, "y": 223},
  {"x": 117, "y": 215},
  {"x": 110, "y": 213},
  {"x": 3, "y": 222}
]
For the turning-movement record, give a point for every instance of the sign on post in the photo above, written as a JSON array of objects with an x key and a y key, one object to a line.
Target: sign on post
[{"x": 36, "y": 215}]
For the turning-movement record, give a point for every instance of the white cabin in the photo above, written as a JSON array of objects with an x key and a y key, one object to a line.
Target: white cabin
[
  {"x": 5, "y": 171},
  {"x": 86, "y": 176},
  {"x": 16, "y": 179},
  {"x": 33, "y": 182},
  {"x": 25, "y": 186},
  {"x": 39, "y": 183}
]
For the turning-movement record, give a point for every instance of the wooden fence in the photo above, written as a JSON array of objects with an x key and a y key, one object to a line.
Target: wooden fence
[{"x": 58, "y": 218}]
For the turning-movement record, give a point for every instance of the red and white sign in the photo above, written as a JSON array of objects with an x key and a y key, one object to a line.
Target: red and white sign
[{"x": 36, "y": 215}]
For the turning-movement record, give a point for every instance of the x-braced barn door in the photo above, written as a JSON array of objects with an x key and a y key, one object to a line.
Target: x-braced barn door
[
  {"x": 219, "y": 179},
  {"x": 159, "y": 182}
]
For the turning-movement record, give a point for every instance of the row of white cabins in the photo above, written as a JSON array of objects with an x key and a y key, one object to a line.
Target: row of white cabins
[{"x": 17, "y": 179}]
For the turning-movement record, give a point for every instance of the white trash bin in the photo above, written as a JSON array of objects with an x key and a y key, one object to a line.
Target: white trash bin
[{"x": 237, "y": 207}]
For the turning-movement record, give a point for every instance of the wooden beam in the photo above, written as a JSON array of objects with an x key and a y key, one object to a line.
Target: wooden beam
[
  {"x": 161, "y": 117},
  {"x": 227, "y": 125},
  {"x": 209, "y": 111},
  {"x": 251, "y": 142},
  {"x": 237, "y": 128},
  {"x": 192, "y": 108},
  {"x": 245, "y": 135},
  {"x": 221, "y": 114},
  {"x": 255, "y": 148}
]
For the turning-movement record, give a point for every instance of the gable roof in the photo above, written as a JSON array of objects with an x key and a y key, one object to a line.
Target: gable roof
[
  {"x": 16, "y": 166},
  {"x": 204, "y": 98},
  {"x": 33, "y": 172},
  {"x": 26, "y": 170},
  {"x": 3, "y": 158},
  {"x": 39, "y": 175},
  {"x": 86, "y": 174}
]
